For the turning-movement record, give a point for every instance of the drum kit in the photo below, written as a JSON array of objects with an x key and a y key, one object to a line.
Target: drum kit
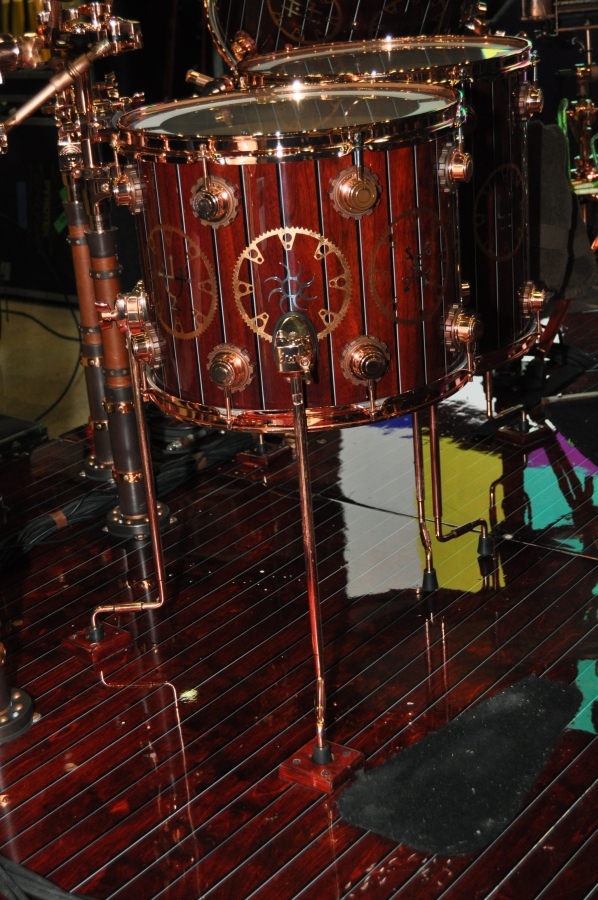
[{"x": 334, "y": 234}]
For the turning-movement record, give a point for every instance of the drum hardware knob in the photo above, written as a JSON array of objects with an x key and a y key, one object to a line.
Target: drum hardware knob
[
  {"x": 294, "y": 346},
  {"x": 355, "y": 191},
  {"x": 365, "y": 360},
  {"x": 213, "y": 199},
  {"x": 127, "y": 190},
  {"x": 532, "y": 301},
  {"x": 454, "y": 166},
  {"x": 231, "y": 368},
  {"x": 193, "y": 77},
  {"x": 147, "y": 346},
  {"x": 531, "y": 99},
  {"x": 463, "y": 328},
  {"x": 131, "y": 311},
  {"x": 243, "y": 46}
]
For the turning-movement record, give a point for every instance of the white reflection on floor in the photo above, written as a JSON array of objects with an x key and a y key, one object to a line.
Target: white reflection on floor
[{"x": 382, "y": 550}]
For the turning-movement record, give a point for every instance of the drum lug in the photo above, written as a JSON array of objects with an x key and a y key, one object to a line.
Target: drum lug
[
  {"x": 214, "y": 200},
  {"x": 147, "y": 346},
  {"x": 365, "y": 360},
  {"x": 532, "y": 301},
  {"x": 354, "y": 192},
  {"x": 462, "y": 327},
  {"x": 243, "y": 46},
  {"x": 476, "y": 23},
  {"x": 455, "y": 166},
  {"x": 294, "y": 346},
  {"x": 231, "y": 368},
  {"x": 127, "y": 190},
  {"x": 530, "y": 100}
]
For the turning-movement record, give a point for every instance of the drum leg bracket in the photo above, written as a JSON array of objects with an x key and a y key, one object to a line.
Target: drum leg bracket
[
  {"x": 326, "y": 777},
  {"x": 96, "y": 647}
]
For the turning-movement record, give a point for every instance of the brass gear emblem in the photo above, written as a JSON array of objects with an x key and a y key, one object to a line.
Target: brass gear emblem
[
  {"x": 324, "y": 249},
  {"x": 172, "y": 289},
  {"x": 414, "y": 265}
]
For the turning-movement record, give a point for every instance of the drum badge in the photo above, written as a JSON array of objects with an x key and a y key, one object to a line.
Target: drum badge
[
  {"x": 404, "y": 268},
  {"x": 186, "y": 278},
  {"x": 498, "y": 214},
  {"x": 288, "y": 255}
]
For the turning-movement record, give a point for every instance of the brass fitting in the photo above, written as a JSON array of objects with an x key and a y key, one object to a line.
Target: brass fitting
[
  {"x": 127, "y": 190},
  {"x": 147, "y": 346},
  {"x": 230, "y": 367},
  {"x": 243, "y": 45},
  {"x": 531, "y": 99},
  {"x": 455, "y": 166},
  {"x": 214, "y": 201},
  {"x": 463, "y": 328},
  {"x": 531, "y": 299},
  {"x": 354, "y": 192},
  {"x": 365, "y": 359},
  {"x": 130, "y": 313}
]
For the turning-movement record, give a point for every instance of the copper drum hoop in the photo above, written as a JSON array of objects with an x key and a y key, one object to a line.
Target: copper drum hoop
[
  {"x": 493, "y": 206},
  {"x": 386, "y": 277}
]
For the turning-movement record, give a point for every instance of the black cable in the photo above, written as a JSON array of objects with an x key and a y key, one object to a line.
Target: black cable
[
  {"x": 62, "y": 396},
  {"x": 16, "y": 312},
  {"x": 9, "y": 887}
]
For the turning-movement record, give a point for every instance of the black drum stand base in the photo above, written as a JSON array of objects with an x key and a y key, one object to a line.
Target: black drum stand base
[
  {"x": 96, "y": 470},
  {"x": 113, "y": 641}
]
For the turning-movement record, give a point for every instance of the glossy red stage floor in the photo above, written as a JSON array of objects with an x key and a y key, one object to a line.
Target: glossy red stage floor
[{"x": 156, "y": 775}]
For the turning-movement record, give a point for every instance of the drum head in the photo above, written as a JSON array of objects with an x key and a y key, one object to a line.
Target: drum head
[
  {"x": 277, "y": 24},
  {"x": 298, "y": 121},
  {"x": 424, "y": 58}
]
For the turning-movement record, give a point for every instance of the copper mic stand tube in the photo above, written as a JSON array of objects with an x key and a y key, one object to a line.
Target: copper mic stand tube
[
  {"x": 430, "y": 581},
  {"x": 96, "y": 631},
  {"x": 322, "y": 753}
]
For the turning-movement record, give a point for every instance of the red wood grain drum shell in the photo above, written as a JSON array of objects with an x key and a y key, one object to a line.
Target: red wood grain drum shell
[
  {"x": 493, "y": 214},
  {"x": 392, "y": 275}
]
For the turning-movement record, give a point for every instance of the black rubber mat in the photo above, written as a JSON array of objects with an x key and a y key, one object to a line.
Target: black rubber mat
[{"x": 459, "y": 787}]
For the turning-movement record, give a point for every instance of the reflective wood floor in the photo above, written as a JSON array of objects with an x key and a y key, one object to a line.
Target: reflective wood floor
[{"x": 156, "y": 774}]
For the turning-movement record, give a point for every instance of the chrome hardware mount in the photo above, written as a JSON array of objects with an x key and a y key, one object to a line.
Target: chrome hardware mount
[
  {"x": 455, "y": 166},
  {"x": 462, "y": 327},
  {"x": 295, "y": 346}
]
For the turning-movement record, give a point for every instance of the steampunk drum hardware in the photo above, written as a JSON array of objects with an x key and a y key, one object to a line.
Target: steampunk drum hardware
[
  {"x": 493, "y": 74},
  {"x": 300, "y": 260}
]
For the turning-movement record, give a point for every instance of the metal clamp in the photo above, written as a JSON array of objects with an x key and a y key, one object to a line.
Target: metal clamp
[
  {"x": 127, "y": 477},
  {"x": 127, "y": 190},
  {"x": 455, "y": 166},
  {"x": 530, "y": 99},
  {"x": 118, "y": 406},
  {"x": 105, "y": 274},
  {"x": 295, "y": 346},
  {"x": 463, "y": 327}
]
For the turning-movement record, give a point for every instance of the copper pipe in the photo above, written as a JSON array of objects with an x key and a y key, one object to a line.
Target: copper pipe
[
  {"x": 311, "y": 564},
  {"x": 420, "y": 491},
  {"x": 483, "y": 547},
  {"x": 152, "y": 513},
  {"x": 56, "y": 84}
]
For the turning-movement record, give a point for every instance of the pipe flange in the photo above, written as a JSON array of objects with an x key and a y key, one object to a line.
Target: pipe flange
[
  {"x": 214, "y": 201},
  {"x": 365, "y": 359},
  {"x": 355, "y": 192},
  {"x": 230, "y": 367}
]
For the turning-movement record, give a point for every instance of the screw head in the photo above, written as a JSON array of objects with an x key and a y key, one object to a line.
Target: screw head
[
  {"x": 296, "y": 762},
  {"x": 325, "y": 772}
]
